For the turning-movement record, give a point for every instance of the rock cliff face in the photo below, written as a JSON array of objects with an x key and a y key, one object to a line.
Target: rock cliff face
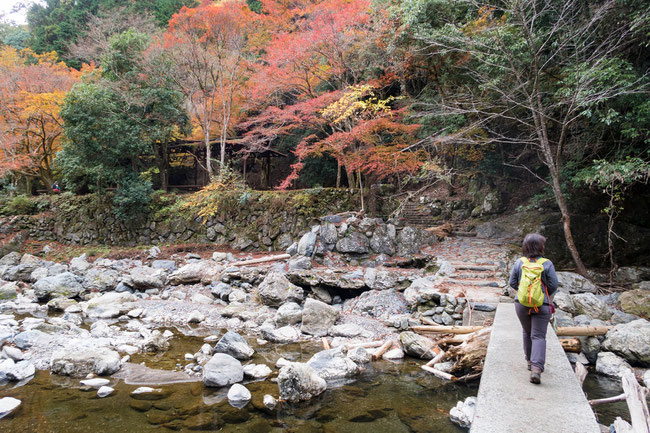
[{"x": 267, "y": 220}]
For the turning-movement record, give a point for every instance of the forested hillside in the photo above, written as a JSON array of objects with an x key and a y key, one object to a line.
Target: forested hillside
[{"x": 137, "y": 96}]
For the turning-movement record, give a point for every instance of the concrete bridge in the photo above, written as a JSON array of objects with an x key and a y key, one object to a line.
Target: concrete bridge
[{"x": 508, "y": 403}]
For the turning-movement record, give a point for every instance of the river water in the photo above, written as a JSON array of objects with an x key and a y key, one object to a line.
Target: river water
[{"x": 387, "y": 397}]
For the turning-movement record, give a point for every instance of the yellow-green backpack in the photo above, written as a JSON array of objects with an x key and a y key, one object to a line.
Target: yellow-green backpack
[{"x": 530, "y": 293}]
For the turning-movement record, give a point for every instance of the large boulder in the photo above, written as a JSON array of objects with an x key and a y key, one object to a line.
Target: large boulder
[
  {"x": 417, "y": 345},
  {"x": 383, "y": 239},
  {"x": 463, "y": 413},
  {"x": 378, "y": 304},
  {"x": 636, "y": 302},
  {"x": 11, "y": 259},
  {"x": 145, "y": 277},
  {"x": 333, "y": 364},
  {"x": 276, "y": 290},
  {"x": 8, "y": 292},
  {"x": 410, "y": 241},
  {"x": 16, "y": 371},
  {"x": 63, "y": 285},
  {"x": 380, "y": 279},
  {"x": 288, "y": 314},
  {"x": 222, "y": 370},
  {"x": 609, "y": 364},
  {"x": 631, "y": 341},
  {"x": 100, "y": 279},
  {"x": 328, "y": 234},
  {"x": 318, "y": 317},
  {"x": 564, "y": 302},
  {"x": 283, "y": 335},
  {"x": 79, "y": 265},
  {"x": 355, "y": 242},
  {"x": 195, "y": 272},
  {"x": 234, "y": 345},
  {"x": 589, "y": 304},
  {"x": 574, "y": 283},
  {"x": 79, "y": 363},
  {"x": 298, "y": 382},
  {"x": 109, "y": 305}
]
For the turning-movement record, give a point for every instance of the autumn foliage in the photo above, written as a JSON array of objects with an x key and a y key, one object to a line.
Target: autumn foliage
[{"x": 32, "y": 90}]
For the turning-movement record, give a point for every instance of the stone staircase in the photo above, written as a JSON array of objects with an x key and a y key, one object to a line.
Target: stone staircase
[{"x": 413, "y": 215}]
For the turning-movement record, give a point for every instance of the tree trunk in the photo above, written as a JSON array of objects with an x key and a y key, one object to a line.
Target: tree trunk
[
  {"x": 338, "y": 173},
  {"x": 566, "y": 223},
  {"x": 208, "y": 154}
]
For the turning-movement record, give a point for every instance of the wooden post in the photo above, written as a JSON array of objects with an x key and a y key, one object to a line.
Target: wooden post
[
  {"x": 582, "y": 331},
  {"x": 570, "y": 345},
  {"x": 614, "y": 399},
  {"x": 636, "y": 402}
]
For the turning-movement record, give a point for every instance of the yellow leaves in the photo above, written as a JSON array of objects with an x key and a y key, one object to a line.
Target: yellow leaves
[
  {"x": 358, "y": 102},
  {"x": 485, "y": 20}
]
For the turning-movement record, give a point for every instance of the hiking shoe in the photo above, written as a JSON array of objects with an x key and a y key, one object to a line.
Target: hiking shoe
[
  {"x": 535, "y": 375},
  {"x": 529, "y": 364}
]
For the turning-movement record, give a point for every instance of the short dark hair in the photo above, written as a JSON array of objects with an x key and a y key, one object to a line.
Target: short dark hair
[{"x": 533, "y": 245}]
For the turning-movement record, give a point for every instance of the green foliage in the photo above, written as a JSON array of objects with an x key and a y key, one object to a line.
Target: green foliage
[
  {"x": 14, "y": 36},
  {"x": 19, "y": 205},
  {"x": 132, "y": 197}
]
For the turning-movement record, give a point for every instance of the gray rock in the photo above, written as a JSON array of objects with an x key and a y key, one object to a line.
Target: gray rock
[
  {"x": 307, "y": 244},
  {"x": 8, "y": 405},
  {"x": 409, "y": 241},
  {"x": 20, "y": 272},
  {"x": 328, "y": 234},
  {"x": 33, "y": 337},
  {"x": 16, "y": 371},
  {"x": 8, "y": 292},
  {"x": 292, "y": 249},
  {"x": 79, "y": 265},
  {"x": 13, "y": 353},
  {"x": 317, "y": 317},
  {"x": 11, "y": 259},
  {"x": 589, "y": 304},
  {"x": 166, "y": 265},
  {"x": 288, "y": 314},
  {"x": 631, "y": 341},
  {"x": 238, "y": 394},
  {"x": 222, "y": 370},
  {"x": 610, "y": 364},
  {"x": 463, "y": 413},
  {"x": 221, "y": 291},
  {"x": 380, "y": 279},
  {"x": 257, "y": 371},
  {"x": 574, "y": 283},
  {"x": 276, "y": 290},
  {"x": 636, "y": 302},
  {"x": 619, "y": 317},
  {"x": 590, "y": 348},
  {"x": 333, "y": 364},
  {"x": 144, "y": 277},
  {"x": 564, "y": 301},
  {"x": 195, "y": 316},
  {"x": 383, "y": 240},
  {"x": 63, "y": 285},
  {"x": 155, "y": 343},
  {"x": 299, "y": 382},
  {"x": 359, "y": 355},
  {"x": 192, "y": 273},
  {"x": 417, "y": 345},
  {"x": 348, "y": 330},
  {"x": 283, "y": 335},
  {"x": 100, "y": 279},
  {"x": 95, "y": 383},
  {"x": 300, "y": 262},
  {"x": 79, "y": 363},
  {"x": 378, "y": 304},
  {"x": 270, "y": 402},
  {"x": 104, "y": 391},
  {"x": 355, "y": 242},
  {"x": 234, "y": 345}
]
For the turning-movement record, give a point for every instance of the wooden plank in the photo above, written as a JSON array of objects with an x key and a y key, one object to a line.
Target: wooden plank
[
  {"x": 261, "y": 260},
  {"x": 635, "y": 397}
]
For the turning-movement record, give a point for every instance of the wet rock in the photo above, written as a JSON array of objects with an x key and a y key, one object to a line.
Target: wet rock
[
  {"x": 288, "y": 314},
  {"x": 16, "y": 371},
  {"x": 144, "y": 277},
  {"x": 463, "y": 413},
  {"x": 148, "y": 394},
  {"x": 95, "y": 383},
  {"x": 238, "y": 394},
  {"x": 631, "y": 341},
  {"x": 257, "y": 371},
  {"x": 610, "y": 364},
  {"x": 109, "y": 305},
  {"x": 333, "y": 364},
  {"x": 393, "y": 354},
  {"x": 636, "y": 302},
  {"x": 63, "y": 285},
  {"x": 317, "y": 317},
  {"x": 234, "y": 345},
  {"x": 222, "y": 370},
  {"x": 155, "y": 343},
  {"x": 33, "y": 337},
  {"x": 417, "y": 345},
  {"x": 78, "y": 363},
  {"x": 574, "y": 283},
  {"x": 354, "y": 242},
  {"x": 299, "y": 382},
  {"x": 359, "y": 355},
  {"x": 589, "y": 304},
  {"x": 349, "y": 330},
  {"x": 590, "y": 348},
  {"x": 8, "y": 405},
  {"x": 283, "y": 335},
  {"x": 270, "y": 402},
  {"x": 276, "y": 290},
  {"x": 104, "y": 391}
]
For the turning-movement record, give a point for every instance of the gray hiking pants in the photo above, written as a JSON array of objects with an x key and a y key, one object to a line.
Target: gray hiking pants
[{"x": 534, "y": 331}]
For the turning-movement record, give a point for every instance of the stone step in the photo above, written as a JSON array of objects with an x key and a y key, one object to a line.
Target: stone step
[
  {"x": 488, "y": 274},
  {"x": 475, "y": 283},
  {"x": 473, "y": 267}
]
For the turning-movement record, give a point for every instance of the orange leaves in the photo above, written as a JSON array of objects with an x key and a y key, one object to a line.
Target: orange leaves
[{"x": 32, "y": 89}]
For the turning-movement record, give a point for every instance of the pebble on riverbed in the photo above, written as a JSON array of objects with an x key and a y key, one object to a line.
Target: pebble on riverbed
[
  {"x": 95, "y": 383},
  {"x": 104, "y": 391},
  {"x": 8, "y": 405}
]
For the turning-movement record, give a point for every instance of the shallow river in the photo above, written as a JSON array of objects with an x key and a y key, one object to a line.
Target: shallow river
[{"x": 387, "y": 397}]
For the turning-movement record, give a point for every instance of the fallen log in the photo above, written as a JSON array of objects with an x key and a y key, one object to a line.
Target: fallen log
[
  {"x": 622, "y": 426},
  {"x": 635, "y": 396},
  {"x": 326, "y": 344},
  {"x": 438, "y": 373},
  {"x": 570, "y": 345},
  {"x": 366, "y": 345},
  {"x": 438, "y": 358},
  {"x": 441, "y": 329},
  {"x": 582, "y": 331},
  {"x": 470, "y": 354},
  {"x": 455, "y": 339},
  {"x": 261, "y": 260},
  {"x": 384, "y": 347},
  {"x": 581, "y": 373},
  {"x": 614, "y": 399}
]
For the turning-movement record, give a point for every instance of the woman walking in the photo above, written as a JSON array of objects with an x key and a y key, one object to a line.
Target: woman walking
[{"x": 535, "y": 280}]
